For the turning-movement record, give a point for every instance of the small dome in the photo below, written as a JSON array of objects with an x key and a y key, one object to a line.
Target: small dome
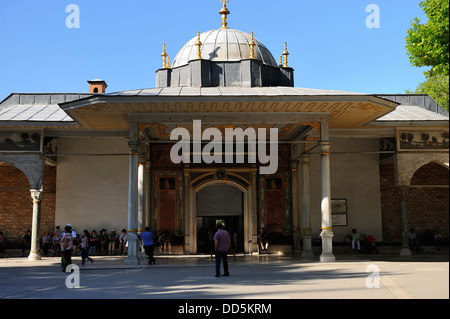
[{"x": 223, "y": 45}]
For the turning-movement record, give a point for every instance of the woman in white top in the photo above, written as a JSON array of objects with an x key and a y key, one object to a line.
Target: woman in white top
[
  {"x": 85, "y": 248},
  {"x": 67, "y": 246}
]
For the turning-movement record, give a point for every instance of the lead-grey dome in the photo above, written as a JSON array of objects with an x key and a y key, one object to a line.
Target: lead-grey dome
[{"x": 223, "y": 45}]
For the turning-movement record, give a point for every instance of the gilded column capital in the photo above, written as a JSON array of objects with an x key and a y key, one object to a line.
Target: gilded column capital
[
  {"x": 134, "y": 147},
  {"x": 325, "y": 147},
  {"x": 294, "y": 165},
  {"x": 36, "y": 195},
  {"x": 305, "y": 159}
]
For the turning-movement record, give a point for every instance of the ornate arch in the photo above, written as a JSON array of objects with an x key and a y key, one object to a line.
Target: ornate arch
[
  {"x": 409, "y": 163},
  {"x": 30, "y": 165},
  {"x": 220, "y": 177}
]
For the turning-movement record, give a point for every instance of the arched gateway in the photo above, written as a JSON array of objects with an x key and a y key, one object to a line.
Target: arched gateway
[{"x": 303, "y": 163}]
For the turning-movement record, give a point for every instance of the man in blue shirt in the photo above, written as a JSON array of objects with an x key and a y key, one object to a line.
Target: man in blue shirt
[{"x": 149, "y": 244}]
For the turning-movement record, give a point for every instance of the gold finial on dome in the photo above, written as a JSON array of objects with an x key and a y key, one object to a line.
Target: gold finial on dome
[
  {"x": 224, "y": 12},
  {"x": 165, "y": 57},
  {"x": 252, "y": 47},
  {"x": 199, "y": 44},
  {"x": 285, "y": 53}
]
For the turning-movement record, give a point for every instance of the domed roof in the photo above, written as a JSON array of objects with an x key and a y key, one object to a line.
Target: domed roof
[{"x": 223, "y": 45}]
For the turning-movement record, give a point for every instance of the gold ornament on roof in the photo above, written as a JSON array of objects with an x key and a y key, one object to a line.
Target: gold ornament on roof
[
  {"x": 199, "y": 44},
  {"x": 224, "y": 12},
  {"x": 252, "y": 47},
  {"x": 285, "y": 54},
  {"x": 165, "y": 57}
]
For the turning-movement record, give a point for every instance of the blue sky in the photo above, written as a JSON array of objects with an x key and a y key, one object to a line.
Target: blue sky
[{"x": 121, "y": 41}]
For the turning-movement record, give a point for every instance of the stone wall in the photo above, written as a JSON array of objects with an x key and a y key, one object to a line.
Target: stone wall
[
  {"x": 427, "y": 202},
  {"x": 16, "y": 205}
]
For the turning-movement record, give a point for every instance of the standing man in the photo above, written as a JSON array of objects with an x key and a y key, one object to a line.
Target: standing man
[
  {"x": 222, "y": 244},
  {"x": 149, "y": 244}
]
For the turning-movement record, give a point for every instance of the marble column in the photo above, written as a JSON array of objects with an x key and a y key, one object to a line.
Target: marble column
[
  {"x": 327, "y": 229},
  {"x": 403, "y": 191},
  {"x": 141, "y": 198},
  {"x": 306, "y": 192},
  {"x": 35, "y": 254},
  {"x": 253, "y": 213},
  {"x": 295, "y": 207},
  {"x": 140, "y": 205},
  {"x": 187, "y": 209},
  {"x": 132, "y": 258}
]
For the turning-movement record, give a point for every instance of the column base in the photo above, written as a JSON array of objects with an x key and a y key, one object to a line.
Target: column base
[
  {"x": 307, "y": 244},
  {"x": 327, "y": 246},
  {"x": 327, "y": 257},
  {"x": 34, "y": 256},
  {"x": 132, "y": 261},
  {"x": 297, "y": 249},
  {"x": 405, "y": 252}
]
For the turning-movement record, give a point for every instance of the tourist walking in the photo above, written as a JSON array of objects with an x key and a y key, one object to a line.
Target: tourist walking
[
  {"x": 222, "y": 244},
  {"x": 263, "y": 242},
  {"x": 85, "y": 248},
  {"x": 149, "y": 245},
  {"x": 67, "y": 247}
]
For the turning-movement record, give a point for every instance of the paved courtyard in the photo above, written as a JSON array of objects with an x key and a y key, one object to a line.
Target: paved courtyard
[{"x": 252, "y": 277}]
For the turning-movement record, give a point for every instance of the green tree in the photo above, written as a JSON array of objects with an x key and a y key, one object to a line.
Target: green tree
[
  {"x": 427, "y": 45},
  {"x": 437, "y": 87}
]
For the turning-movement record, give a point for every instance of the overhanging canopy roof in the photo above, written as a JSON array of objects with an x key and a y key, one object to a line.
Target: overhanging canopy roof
[{"x": 112, "y": 111}]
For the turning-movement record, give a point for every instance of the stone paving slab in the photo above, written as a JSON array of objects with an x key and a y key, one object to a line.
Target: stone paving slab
[{"x": 264, "y": 277}]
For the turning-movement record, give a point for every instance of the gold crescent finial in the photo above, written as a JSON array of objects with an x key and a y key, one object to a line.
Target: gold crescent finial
[
  {"x": 224, "y": 12},
  {"x": 165, "y": 57},
  {"x": 252, "y": 47},
  {"x": 199, "y": 44},
  {"x": 285, "y": 53}
]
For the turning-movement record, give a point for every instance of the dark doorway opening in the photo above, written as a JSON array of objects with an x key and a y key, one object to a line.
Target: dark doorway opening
[
  {"x": 219, "y": 203},
  {"x": 207, "y": 227}
]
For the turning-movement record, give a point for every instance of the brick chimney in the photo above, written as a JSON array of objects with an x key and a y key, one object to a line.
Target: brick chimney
[{"x": 97, "y": 86}]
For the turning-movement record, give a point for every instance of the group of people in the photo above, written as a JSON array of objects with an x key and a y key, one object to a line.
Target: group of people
[
  {"x": 222, "y": 245},
  {"x": 88, "y": 243},
  {"x": 413, "y": 241},
  {"x": 101, "y": 242},
  {"x": 369, "y": 241}
]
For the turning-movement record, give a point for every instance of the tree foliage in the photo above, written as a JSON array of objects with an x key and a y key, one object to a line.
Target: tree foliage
[
  {"x": 437, "y": 87},
  {"x": 427, "y": 43}
]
